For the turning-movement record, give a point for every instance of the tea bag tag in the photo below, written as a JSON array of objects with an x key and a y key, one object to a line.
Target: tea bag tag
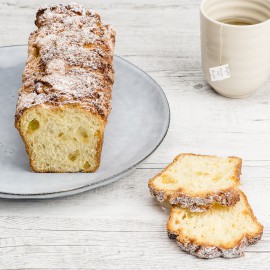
[{"x": 220, "y": 73}]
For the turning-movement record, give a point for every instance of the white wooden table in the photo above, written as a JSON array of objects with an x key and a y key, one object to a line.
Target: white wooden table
[{"x": 120, "y": 226}]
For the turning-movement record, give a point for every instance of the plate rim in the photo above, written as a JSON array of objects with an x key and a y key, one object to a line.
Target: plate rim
[{"x": 103, "y": 182}]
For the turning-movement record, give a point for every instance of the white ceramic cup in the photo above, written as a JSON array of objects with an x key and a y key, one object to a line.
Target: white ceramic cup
[{"x": 246, "y": 49}]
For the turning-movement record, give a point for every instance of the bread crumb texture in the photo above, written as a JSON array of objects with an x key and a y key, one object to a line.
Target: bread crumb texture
[
  {"x": 63, "y": 139},
  {"x": 197, "y": 174}
]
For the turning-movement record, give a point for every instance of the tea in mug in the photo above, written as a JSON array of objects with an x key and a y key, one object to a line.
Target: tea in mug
[{"x": 238, "y": 21}]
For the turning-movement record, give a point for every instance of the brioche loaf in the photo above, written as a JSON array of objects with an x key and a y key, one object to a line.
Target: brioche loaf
[
  {"x": 219, "y": 232},
  {"x": 65, "y": 98},
  {"x": 198, "y": 181}
]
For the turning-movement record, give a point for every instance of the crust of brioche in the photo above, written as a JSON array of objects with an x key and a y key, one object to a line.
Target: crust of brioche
[
  {"x": 198, "y": 202},
  {"x": 60, "y": 108},
  {"x": 207, "y": 251}
]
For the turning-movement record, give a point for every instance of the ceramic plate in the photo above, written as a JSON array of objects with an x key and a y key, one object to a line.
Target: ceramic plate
[{"x": 137, "y": 124}]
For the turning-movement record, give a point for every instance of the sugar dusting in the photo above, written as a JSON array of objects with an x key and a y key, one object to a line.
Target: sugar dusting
[{"x": 69, "y": 60}]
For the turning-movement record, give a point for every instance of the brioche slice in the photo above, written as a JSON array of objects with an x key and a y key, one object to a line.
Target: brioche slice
[
  {"x": 198, "y": 181},
  {"x": 220, "y": 232}
]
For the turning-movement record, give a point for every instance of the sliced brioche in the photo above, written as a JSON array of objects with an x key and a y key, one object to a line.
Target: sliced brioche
[
  {"x": 220, "y": 232},
  {"x": 198, "y": 181}
]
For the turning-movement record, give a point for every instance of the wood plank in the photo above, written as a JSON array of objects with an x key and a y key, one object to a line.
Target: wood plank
[
  {"x": 129, "y": 198},
  {"x": 104, "y": 244}
]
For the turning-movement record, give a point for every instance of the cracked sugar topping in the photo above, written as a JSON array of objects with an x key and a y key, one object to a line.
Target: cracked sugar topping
[{"x": 69, "y": 61}]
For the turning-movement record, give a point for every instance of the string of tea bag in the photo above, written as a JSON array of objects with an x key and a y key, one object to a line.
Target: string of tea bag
[
  {"x": 220, "y": 44},
  {"x": 220, "y": 72}
]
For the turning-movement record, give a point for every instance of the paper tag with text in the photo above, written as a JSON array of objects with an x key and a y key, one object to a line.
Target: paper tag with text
[{"x": 220, "y": 73}]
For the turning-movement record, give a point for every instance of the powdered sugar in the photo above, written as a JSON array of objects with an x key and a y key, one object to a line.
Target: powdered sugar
[{"x": 70, "y": 60}]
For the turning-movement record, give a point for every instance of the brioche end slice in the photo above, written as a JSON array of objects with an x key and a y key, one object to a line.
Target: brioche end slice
[
  {"x": 198, "y": 181},
  {"x": 219, "y": 232}
]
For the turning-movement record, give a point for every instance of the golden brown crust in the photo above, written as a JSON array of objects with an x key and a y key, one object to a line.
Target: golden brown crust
[
  {"x": 238, "y": 168},
  {"x": 70, "y": 60},
  {"x": 59, "y": 108},
  {"x": 206, "y": 249},
  {"x": 201, "y": 201}
]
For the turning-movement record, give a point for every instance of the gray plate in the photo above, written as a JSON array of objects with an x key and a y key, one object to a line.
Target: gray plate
[{"x": 137, "y": 125}]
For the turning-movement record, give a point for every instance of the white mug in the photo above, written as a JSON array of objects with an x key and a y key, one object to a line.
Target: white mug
[{"x": 235, "y": 58}]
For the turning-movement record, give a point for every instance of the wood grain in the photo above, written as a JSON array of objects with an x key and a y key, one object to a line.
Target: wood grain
[{"x": 120, "y": 226}]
